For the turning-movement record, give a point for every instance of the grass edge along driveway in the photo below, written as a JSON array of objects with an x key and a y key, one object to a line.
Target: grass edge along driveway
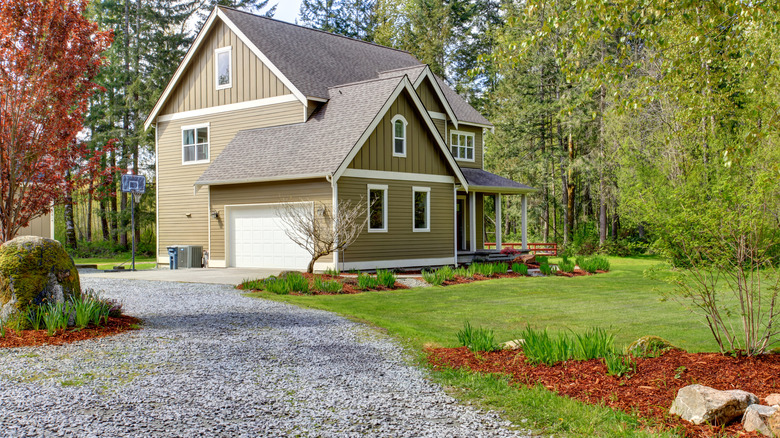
[{"x": 623, "y": 301}]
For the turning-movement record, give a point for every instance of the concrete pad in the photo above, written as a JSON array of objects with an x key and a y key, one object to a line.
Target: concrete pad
[{"x": 196, "y": 275}]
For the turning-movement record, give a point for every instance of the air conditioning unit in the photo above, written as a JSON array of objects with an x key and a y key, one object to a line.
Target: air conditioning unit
[{"x": 194, "y": 256}]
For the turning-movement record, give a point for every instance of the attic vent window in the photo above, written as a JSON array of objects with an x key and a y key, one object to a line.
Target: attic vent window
[
  {"x": 224, "y": 67},
  {"x": 398, "y": 124}
]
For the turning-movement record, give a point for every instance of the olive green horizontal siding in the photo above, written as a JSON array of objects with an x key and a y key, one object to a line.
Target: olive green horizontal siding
[
  {"x": 400, "y": 242},
  {"x": 183, "y": 216},
  {"x": 197, "y": 88},
  {"x": 478, "y": 149},
  {"x": 429, "y": 97},
  {"x": 318, "y": 190},
  {"x": 423, "y": 154}
]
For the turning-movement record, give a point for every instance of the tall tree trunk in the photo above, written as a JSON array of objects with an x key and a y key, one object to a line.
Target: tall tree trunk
[
  {"x": 70, "y": 224},
  {"x": 104, "y": 220},
  {"x": 114, "y": 207},
  {"x": 615, "y": 226},
  {"x": 89, "y": 210},
  {"x": 125, "y": 125},
  {"x": 570, "y": 186},
  {"x": 602, "y": 188}
]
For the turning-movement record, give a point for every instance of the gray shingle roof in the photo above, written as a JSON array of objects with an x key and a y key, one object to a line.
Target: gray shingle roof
[
  {"x": 314, "y": 60},
  {"x": 480, "y": 178},
  {"x": 317, "y": 147}
]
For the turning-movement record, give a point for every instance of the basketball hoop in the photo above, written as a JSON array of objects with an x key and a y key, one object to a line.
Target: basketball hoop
[
  {"x": 137, "y": 197},
  {"x": 136, "y": 185}
]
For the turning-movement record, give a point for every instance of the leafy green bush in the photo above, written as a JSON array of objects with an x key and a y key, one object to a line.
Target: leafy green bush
[
  {"x": 595, "y": 343},
  {"x": 296, "y": 282},
  {"x": 385, "y": 278},
  {"x": 519, "y": 268},
  {"x": 566, "y": 265},
  {"x": 331, "y": 286},
  {"x": 501, "y": 267},
  {"x": 433, "y": 277},
  {"x": 618, "y": 364},
  {"x": 366, "y": 281},
  {"x": 545, "y": 268},
  {"x": 593, "y": 263},
  {"x": 477, "y": 339}
]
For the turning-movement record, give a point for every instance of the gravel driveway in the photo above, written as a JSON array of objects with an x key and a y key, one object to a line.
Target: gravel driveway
[{"x": 210, "y": 362}]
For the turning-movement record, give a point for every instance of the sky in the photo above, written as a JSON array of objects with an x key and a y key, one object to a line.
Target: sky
[{"x": 287, "y": 10}]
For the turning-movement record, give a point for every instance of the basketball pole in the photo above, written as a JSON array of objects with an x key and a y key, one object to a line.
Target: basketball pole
[{"x": 132, "y": 220}]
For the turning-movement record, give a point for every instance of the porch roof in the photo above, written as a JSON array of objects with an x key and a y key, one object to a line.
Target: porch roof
[{"x": 486, "y": 182}]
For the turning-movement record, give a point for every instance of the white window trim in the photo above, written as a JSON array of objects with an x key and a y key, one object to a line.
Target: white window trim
[
  {"x": 208, "y": 143},
  {"x": 229, "y": 50},
  {"x": 473, "y": 144},
  {"x": 396, "y": 118},
  {"x": 370, "y": 187},
  {"x": 427, "y": 209}
]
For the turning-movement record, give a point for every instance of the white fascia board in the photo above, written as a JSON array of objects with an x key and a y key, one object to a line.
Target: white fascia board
[
  {"x": 229, "y": 107},
  {"x": 427, "y": 73},
  {"x": 398, "y": 176},
  {"x": 405, "y": 84},
  {"x": 479, "y": 125},
  {"x": 182, "y": 67},
  {"x": 257, "y": 180},
  {"x": 262, "y": 56}
]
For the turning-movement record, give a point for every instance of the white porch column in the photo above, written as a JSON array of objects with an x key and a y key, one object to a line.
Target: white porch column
[
  {"x": 473, "y": 222},
  {"x": 497, "y": 198},
  {"x": 524, "y": 221}
]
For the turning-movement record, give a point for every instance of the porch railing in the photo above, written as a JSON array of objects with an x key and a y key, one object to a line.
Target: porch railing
[{"x": 536, "y": 248}]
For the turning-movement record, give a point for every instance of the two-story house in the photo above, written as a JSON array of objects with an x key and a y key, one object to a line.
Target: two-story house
[{"x": 262, "y": 112}]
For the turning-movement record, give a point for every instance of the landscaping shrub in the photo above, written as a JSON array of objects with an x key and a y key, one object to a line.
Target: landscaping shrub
[
  {"x": 595, "y": 343},
  {"x": 566, "y": 265},
  {"x": 275, "y": 285},
  {"x": 519, "y": 268},
  {"x": 433, "y": 277},
  {"x": 331, "y": 286},
  {"x": 296, "y": 282},
  {"x": 252, "y": 285},
  {"x": 385, "y": 278},
  {"x": 618, "y": 364},
  {"x": 539, "y": 347},
  {"x": 366, "y": 281},
  {"x": 649, "y": 346},
  {"x": 545, "y": 268},
  {"x": 509, "y": 251},
  {"x": 593, "y": 264},
  {"x": 500, "y": 268},
  {"x": 477, "y": 339},
  {"x": 542, "y": 259}
]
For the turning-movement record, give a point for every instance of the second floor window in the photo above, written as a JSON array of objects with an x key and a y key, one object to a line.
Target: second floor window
[
  {"x": 462, "y": 144},
  {"x": 195, "y": 144},
  {"x": 399, "y": 136},
  {"x": 224, "y": 68}
]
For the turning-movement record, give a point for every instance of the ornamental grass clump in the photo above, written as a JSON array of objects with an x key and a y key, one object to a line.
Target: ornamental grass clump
[
  {"x": 545, "y": 268},
  {"x": 618, "y": 364},
  {"x": 252, "y": 284},
  {"x": 447, "y": 273},
  {"x": 465, "y": 271},
  {"x": 366, "y": 281},
  {"x": 593, "y": 264},
  {"x": 35, "y": 317},
  {"x": 484, "y": 269},
  {"x": 332, "y": 286},
  {"x": 500, "y": 268},
  {"x": 477, "y": 339},
  {"x": 275, "y": 285},
  {"x": 594, "y": 343},
  {"x": 296, "y": 282},
  {"x": 433, "y": 277},
  {"x": 56, "y": 316},
  {"x": 385, "y": 278},
  {"x": 566, "y": 265},
  {"x": 519, "y": 268},
  {"x": 540, "y": 347}
]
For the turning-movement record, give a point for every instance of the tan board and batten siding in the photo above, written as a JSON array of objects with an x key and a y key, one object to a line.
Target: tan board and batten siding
[
  {"x": 400, "y": 242},
  {"x": 252, "y": 80},
  {"x": 478, "y": 150},
  {"x": 40, "y": 226},
  {"x": 422, "y": 154},
  {"x": 318, "y": 190},
  {"x": 182, "y": 214}
]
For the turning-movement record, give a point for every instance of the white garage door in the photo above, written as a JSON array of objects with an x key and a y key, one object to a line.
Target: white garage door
[{"x": 257, "y": 240}]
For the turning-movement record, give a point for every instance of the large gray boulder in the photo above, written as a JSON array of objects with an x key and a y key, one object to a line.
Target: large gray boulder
[
  {"x": 701, "y": 404},
  {"x": 755, "y": 418},
  {"x": 34, "y": 271}
]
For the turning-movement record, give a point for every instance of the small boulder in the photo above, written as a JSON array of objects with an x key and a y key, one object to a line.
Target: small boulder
[
  {"x": 773, "y": 400},
  {"x": 701, "y": 404},
  {"x": 649, "y": 346},
  {"x": 515, "y": 344},
  {"x": 756, "y": 416},
  {"x": 773, "y": 424},
  {"x": 34, "y": 270},
  {"x": 525, "y": 259}
]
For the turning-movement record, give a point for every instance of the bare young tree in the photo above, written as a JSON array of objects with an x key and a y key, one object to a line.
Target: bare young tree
[{"x": 314, "y": 227}]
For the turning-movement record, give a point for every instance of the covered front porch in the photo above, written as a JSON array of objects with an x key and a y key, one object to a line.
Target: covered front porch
[{"x": 470, "y": 215}]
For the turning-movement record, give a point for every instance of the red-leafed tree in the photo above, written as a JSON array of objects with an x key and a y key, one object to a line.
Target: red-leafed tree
[{"x": 49, "y": 55}]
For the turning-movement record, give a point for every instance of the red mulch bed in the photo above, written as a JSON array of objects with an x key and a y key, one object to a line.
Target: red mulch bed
[
  {"x": 35, "y": 338},
  {"x": 648, "y": 393}
]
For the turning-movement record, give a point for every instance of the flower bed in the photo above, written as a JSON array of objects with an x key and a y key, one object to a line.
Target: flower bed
[
  {"x": 323, "y": 284},
  {"x": 33, "y": 338},
  {"x": 648, "y": 392}
]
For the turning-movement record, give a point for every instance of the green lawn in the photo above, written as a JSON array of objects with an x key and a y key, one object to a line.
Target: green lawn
[
  {"x": 125, "y": 259},
  {"x": 623, "y": 300}
]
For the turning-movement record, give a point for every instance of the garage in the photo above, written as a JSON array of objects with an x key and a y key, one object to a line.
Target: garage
[{"x": 257, "y": 239}]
